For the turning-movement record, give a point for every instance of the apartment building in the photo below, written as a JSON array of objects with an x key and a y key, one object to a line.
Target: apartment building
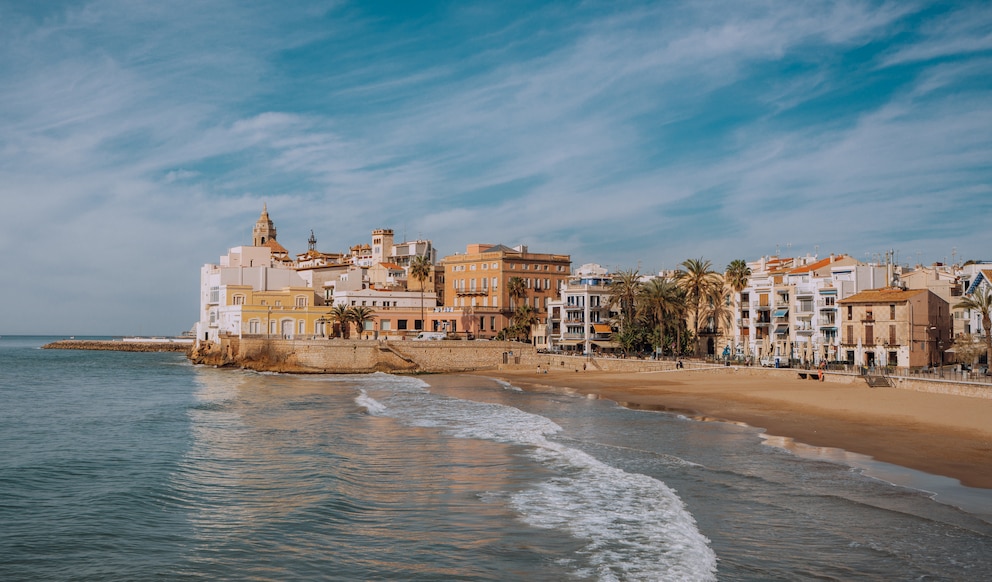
[
  {"x": 578, "y": 320},
  {"x": 476, "y": 283},
  {"x": 896, "y": 327}
]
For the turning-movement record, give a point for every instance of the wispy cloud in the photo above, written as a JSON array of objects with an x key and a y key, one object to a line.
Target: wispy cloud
[{"x": 139, "y": 141}]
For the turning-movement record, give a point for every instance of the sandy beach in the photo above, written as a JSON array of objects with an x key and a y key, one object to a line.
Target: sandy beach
[{"x": 935, "y": 433}]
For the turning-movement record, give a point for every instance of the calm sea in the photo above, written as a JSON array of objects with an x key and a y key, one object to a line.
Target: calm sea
[{"x": 132, "y": 466}]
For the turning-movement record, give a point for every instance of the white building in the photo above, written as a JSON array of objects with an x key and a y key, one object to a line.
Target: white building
[
  {"x": 789, "y": 308},
  {"x": 579, "y": 319}
]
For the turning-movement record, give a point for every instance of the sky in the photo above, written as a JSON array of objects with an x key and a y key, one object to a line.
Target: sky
[{"x": 139, "y": 141}]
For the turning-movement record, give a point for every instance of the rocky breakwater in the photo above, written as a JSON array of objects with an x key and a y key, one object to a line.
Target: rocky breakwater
[
  {"x": 163, "y": 345},
  {"x": 337, "y": 356}
]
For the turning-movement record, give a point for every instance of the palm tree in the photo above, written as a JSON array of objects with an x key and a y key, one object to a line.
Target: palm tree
[
  {"x": 981, "y": 301},
  {"x": 339, "y": 314},
  {"x": 358, "y": 315},
  {"x": 517, "y": 289},
  {"x": 697, "y": 278},
  {"x": 719, "y": 309},
  {"x": 624, "y": 290},
  {"x": 736, "y": 276},
  {"x": 659, "y": 302},
  {"x": 524, "y": 319},
  {"x": 420, "y": 270}
]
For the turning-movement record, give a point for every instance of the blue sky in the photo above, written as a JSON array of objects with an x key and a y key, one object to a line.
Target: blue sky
[{"x": 140, "y": 140}]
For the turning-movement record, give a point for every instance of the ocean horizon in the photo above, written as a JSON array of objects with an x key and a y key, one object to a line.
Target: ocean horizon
[{"x": 140, "y": 465}]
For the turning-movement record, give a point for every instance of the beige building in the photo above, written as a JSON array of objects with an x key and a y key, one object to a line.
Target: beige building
[{"x": 894, "y": 327}]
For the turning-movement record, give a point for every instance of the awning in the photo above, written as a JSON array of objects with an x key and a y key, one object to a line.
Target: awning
[
  {"x": 782, "y": 330},
  {"x": 601, "y": 328},
  {"x": 570, "y": 342},
  {"x": 606, "y": 344},
  {"x": 781, "y": 312}
]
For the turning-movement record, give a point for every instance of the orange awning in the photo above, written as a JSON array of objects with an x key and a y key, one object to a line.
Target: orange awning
[{"x": 601, "y": 328}]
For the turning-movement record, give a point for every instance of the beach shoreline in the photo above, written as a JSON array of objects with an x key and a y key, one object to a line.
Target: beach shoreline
[{"x": 939, "y": 434}]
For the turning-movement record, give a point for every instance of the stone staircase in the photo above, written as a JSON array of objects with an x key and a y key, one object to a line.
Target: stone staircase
[{"x": 878, "y": 381}]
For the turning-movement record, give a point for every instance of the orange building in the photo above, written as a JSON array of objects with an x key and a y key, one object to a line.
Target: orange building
[{"x": 476, "y": 284}]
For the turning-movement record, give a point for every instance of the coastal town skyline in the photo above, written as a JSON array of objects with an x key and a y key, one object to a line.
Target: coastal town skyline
[{"x": 138, "y": 142}]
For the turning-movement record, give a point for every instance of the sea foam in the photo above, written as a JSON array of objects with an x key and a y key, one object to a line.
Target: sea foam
[{"x": 633, "y": 526}]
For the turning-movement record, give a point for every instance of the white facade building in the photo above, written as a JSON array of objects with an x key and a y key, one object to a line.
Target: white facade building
[{"x": 579, "y": 319}]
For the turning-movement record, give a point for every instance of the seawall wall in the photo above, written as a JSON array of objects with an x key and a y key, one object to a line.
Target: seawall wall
[{"x": 358, "y": 356}]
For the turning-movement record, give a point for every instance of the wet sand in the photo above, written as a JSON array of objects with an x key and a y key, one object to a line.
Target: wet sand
[{"x": 934, "y": 433}]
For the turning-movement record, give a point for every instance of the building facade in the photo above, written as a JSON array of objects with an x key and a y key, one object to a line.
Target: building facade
[
  {"x": 894, "y": 327},
  {"x": 579, "y": 319},
  {"x": 476, "y": 283}
]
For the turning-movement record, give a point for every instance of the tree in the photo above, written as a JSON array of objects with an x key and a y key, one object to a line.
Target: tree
[
  {"x": 981, "y": 301},
  {"x": 968, "y": 348},
  {"x": 420, "y": 270},
  {"x": 719, "y": 309},
  {"x": 697, "y": 279},
  {"x": 524, "y": 319},
  {"x": 516, "y": 289},
  {"x": 661, "y": 303},
  {"x": 624, "y": 290},
  {"x": 737, "y": 275},
  {"x": 339, "y": 314},
  {"x": 358, "y": 315}
]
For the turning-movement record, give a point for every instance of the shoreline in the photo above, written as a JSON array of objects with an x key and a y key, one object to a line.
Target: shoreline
[{"x": 938, "y": 434}]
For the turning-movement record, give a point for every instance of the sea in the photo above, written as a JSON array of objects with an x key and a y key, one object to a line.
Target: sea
[{"x": 141, "y": 466}]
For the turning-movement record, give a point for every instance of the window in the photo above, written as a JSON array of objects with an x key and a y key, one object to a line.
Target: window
[
  {"x": 492, "y": 322},
  {"x": 892, "y": 335},
  {"x": 302, "y": 326},
  {"x": 482, "y": 323},
  {"x": 401, "y": 324},
  {"x": 870, "y": 334},
  {"x": 239, "y": 300},
  {"x": 494, "y": 282},
  {"x": 892, "y": 312},
  {"x": 385, "y": 324},
  {"x": 278, "y": 303},
  {"x": 301, "y": 302},
  {"x": 214, "y": 295},
  {"x": 849, "y": 336},
  {"x": 893, "y": 359},
  {"x": 850, "y": 312}
]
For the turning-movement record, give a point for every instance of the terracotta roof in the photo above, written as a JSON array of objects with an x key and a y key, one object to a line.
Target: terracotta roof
[
  {"x": 817, "y": 265},
  {"x": 275, "y": 246},
  {"x": 884, "y": 295},
  {"x": 392, "y": 266}
]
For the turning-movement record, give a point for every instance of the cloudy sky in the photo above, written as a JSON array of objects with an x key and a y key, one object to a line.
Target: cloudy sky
[{"x": 140, "y": 140}]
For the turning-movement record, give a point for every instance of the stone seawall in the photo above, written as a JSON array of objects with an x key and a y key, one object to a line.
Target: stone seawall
[
  {"x": 357, "y": 356},
  {"x": 120, "y": 346}
]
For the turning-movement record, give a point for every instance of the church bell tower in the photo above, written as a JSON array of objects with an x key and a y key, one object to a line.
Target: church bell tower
[{"x": 264, "y": 230}]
